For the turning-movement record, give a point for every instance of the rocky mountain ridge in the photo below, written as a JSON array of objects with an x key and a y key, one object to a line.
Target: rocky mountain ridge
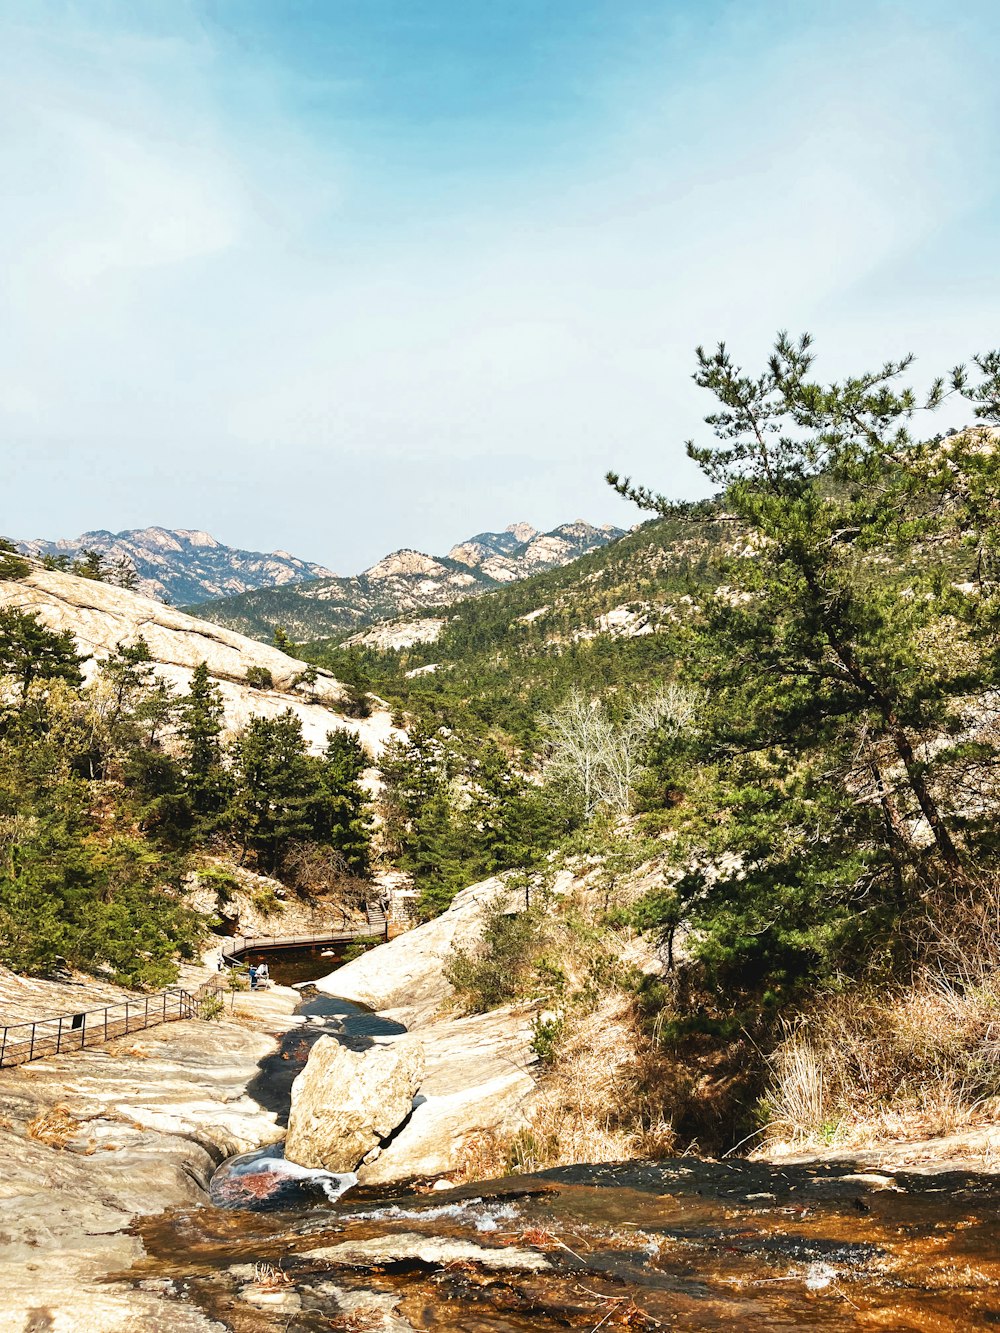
[
  {"x": 406, "y": 582},
  {"x": 183, "y": 565}
]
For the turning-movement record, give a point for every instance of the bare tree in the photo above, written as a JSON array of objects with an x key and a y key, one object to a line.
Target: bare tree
[{"x": 600, "y": 758}]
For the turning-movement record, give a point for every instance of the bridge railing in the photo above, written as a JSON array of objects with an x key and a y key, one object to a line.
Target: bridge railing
[
  {"x": 237, "y": 946},
  {"x": 21, "y": 1042}
]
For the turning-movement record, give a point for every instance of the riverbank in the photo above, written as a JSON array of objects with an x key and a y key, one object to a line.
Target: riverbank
[{"x": 94, "y": 1139}]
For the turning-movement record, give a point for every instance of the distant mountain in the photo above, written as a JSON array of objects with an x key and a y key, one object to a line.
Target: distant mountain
[
  {"x": 405, "y": 582},
  {"x": 178, "y": 565}
]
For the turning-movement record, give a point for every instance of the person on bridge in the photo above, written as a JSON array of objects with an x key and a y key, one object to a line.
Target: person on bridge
[
  {"x": 252, "y": 972},
  {"x": 263, "y": 975}
]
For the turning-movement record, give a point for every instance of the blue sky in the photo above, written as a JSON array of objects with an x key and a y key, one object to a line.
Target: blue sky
[{"x": 346, "y": 275}]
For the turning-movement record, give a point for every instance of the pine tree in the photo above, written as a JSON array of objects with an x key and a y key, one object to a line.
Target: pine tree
[
  {"x": 30, "y": 652},
  {"x": 201, "y": 729}
]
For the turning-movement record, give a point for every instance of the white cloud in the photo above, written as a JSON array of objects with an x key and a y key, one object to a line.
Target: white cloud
[{"x": 194, "y": 314}]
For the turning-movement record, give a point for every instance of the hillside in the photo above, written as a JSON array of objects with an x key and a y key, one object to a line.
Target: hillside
[
  {"x": 612, "y": 617},
  {"x": 101, "y": 617},
  {"x": 178, "y": 565},
  {"x": 404, "y": 582}
]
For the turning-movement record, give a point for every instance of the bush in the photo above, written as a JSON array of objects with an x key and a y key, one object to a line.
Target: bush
[
  {"x": 259, "y": 678},
  {"x": 500, "y": 970}
]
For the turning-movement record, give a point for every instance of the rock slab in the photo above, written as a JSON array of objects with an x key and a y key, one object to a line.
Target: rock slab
[{"x": 346, "y": 1103}]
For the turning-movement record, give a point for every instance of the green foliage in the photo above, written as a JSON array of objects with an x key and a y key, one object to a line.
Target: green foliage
[
  {"x": 456, "y": 818},
  {"x": 283, "y": 795},
  {"x": 547, "y": 1036},
  {"x": 206, "y": 781},
  {"x": 30, "y": 652},
  {"x": 500, "y": 969},
  {"x": 839, "y": 653},
  {"x": 13, "y": 566},
  {"x": 259, "y": 678},
  {"x": 90, "y": 564}
]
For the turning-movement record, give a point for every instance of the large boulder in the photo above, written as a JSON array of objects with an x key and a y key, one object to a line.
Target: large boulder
[
  {"x": 345, "y": 1103},
  {"x": 406, "y": 976}
]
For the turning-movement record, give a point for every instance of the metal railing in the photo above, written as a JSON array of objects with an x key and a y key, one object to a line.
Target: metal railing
[
  {"x": 238, "y": 946},
  {"x": 21, "y": 1042}
]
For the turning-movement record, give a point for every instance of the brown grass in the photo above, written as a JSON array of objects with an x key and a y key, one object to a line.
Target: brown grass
[
  {"x": 54, "y": 1127},
  {"x": 867, "y": 1067},
  {"x": 604, "y": 1098}
]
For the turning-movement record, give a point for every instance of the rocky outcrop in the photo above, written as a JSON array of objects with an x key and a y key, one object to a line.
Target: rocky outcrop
[
  {"x": 407, "y": 974},
  {"x": 346, "y": 1103},
  {"x": 478, "y": 1067},
  {"x": 181, "y": 566},
  {"x": 395, "y": 635},
  {"x": 92, "y": 1139},
  {"x": 101, "y": 616}
]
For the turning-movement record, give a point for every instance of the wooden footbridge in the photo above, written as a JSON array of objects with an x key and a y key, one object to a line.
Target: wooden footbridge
[
  {"x": 21, "y": 1042},
  {"x": 235, "y": 949}
]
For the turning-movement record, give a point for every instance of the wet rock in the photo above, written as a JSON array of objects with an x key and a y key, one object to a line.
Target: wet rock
[
  {"x": 345, "y": 1103},
  {"x": 431, "y": 1251}
]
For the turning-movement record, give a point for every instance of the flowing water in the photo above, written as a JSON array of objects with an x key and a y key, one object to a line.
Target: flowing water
[{"x": 681, "y": 1244}]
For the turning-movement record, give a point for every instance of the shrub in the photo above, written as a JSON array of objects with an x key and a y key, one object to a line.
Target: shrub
[
  {"x": 500, "y": 969},
  {"x": 259, "y": 678}
]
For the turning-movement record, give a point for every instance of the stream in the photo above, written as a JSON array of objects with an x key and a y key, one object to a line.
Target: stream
[{"x": 682, "y": 1244}]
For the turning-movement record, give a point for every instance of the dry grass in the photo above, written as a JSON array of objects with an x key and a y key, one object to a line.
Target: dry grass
[
  {"x": 269, "y": 1277},
  {"x": 866, "y": 1067},
  {"x": 54, "y": 1127},
  {"x": 601, "y": 1100}
]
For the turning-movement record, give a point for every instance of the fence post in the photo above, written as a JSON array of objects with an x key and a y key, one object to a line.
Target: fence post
[
  {"x": 59, "y": 1036},
  {"x": 83, "y": 1031},
  {"x": 31, "y": 1048},
  {"x": 3, "y": 1046}
]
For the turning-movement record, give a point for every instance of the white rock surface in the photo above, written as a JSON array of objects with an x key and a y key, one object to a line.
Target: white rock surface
[
  {"x": 478, "y": 1070},
  {"x": 407, "y": 974},
  {"x": 149, "y": 1118},
  {"x": 101, "y": 616},
  {"x": 344, "y": 1103}
]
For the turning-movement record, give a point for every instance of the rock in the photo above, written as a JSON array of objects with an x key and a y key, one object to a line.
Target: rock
[
  {"x": 432, "y": 1251},
  {"x": 156, "y": 1112},
  {"x": 407, "y": 974},
  {"x": 345, "y": 1103},
  {"x": 184, "y": 565},
  {"x": 101, "y": 616},
  {"x": 478, "y": 1067},
  {"x": 477, "y": 1079}
]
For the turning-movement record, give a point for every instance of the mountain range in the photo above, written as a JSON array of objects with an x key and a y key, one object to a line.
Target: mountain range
[
  {"x": 256, "y": 591},
  {"x": 405, "y": 582},
  {"x": 179, "y": 565}
]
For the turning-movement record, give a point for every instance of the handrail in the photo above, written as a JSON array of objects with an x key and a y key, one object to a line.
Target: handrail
[
  {"x": 237, "y": 946},
  {"x": 22, "y": 1042}
]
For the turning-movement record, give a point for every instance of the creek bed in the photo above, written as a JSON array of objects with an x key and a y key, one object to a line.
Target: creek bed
[{"x": 683, "y": 1244}]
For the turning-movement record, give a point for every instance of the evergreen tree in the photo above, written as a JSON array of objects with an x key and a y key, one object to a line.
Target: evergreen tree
[
  {"x": 30, "y": 652},
  {"x": 201, "y": 730},
  {"x": 278, "y": 787},
  {"x": 90, "y": 564},
  {"x": 347, "y": 805},
  {"x": 823, "y": 649}
]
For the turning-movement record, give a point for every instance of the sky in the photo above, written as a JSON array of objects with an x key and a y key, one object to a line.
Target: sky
[{"x": 340, "y": 276}]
